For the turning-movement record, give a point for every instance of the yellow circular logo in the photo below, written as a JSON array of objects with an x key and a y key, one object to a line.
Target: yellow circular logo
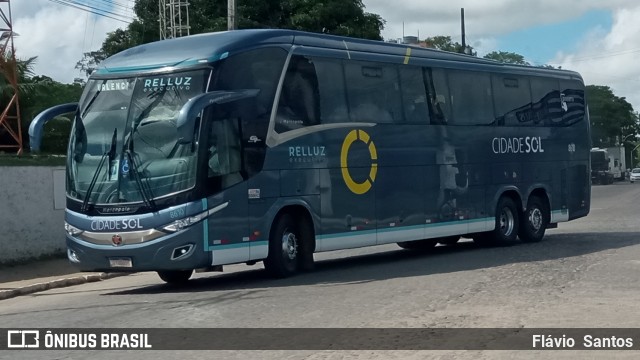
[{"x": 353, "y": 136}]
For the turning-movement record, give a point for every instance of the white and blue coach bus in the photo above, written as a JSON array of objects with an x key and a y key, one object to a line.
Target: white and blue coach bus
[{"x": 271, "y": 145}]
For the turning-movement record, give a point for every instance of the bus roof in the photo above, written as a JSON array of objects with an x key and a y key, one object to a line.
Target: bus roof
[{"x": 209, "y": 47}]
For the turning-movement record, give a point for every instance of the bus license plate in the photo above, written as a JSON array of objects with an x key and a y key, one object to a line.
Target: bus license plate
[{"x": 120, "y": 263}]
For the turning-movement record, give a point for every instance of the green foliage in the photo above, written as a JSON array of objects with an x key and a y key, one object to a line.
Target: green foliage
[
  {"x": 507, "y": 57},
  {"x": 339, "y": 17},
  {"x": 37, "y": 93},
  {"x": 612, "y": 117},
  {"x": 90, "y": 61},
  {"x": 446, "y": 44}
]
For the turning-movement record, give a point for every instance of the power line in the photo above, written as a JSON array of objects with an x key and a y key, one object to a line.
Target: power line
[
  {"x": 98, "y": 6},
  {"x": 612, "y": 54},
  {"x": 94, "y": 10}
]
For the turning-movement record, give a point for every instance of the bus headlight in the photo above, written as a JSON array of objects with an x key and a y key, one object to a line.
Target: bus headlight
[
  {"x": 186, "y": 222},
  {"x": 72, "y": 230}
]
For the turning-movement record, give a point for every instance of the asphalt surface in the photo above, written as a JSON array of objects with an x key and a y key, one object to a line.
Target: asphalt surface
[{"x": 584, "y": 274}]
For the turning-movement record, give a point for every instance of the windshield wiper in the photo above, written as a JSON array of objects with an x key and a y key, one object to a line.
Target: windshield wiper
[
  {"x": 90, "y": 102},
  {"x": 145, "y": 191},
  {"x": 146, "y": 197},
  {"x": 111, "y": 154}
]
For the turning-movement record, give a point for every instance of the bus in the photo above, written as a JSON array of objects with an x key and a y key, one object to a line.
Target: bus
[{"x": 272, "y": 145}]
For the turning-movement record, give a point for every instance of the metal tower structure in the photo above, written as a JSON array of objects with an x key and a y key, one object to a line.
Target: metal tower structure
[
  {"x": 173, "y": 18},
  {"x": 10, "y": 129}
]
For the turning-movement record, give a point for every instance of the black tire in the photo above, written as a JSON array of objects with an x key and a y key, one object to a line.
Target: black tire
[
  {"x": 175, "y": 277},
  {"x": 506, "y": 228},
  {"x": 449, "y": 240},
  {"x": 534, "y": 220},
  {"x": 420, "y": 245},
  {"x": 284, "y": 246}
]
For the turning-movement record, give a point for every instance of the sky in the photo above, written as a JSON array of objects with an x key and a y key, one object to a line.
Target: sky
[{"x": 594, "y": 37}]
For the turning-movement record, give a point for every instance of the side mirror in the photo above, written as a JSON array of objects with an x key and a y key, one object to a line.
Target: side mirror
[
  {"x": 37, "y": 125},
  {"x": 190, "y": 110}
]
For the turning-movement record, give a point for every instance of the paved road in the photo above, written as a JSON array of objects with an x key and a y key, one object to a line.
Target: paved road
[{"x": 584, "y": 274}]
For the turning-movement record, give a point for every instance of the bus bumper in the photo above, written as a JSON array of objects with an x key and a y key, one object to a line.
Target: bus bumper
[{"x": 179, "y": 251}]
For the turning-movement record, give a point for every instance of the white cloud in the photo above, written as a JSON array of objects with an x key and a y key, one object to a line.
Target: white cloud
[
  {"x": 605, "y": 57},
  {"x": 485, "y": 18},
  {"x": 57, "y": 35},
  {"x": 611, "y": 58}
]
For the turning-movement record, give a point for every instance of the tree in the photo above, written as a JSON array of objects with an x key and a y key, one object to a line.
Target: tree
[
  {"x": 90, "y": 61},
  {"x": 507, "y": 57},
  {"x": 37, "y": 93},
  {"x": 612, "y": 117},
  {"x": 445, "y": 43},
  {"x": 339, "y": 17}
]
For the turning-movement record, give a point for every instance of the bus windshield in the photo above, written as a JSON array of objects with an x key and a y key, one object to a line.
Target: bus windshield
[{"x": 124, "y": 146}]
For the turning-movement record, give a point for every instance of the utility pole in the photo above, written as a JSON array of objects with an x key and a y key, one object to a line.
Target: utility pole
[
  {"x": 464, "y": 43},
  {"x": 231, "y": 15}
]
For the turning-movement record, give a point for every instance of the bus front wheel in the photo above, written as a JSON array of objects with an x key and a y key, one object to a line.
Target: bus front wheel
[
  {"x": 506, "y": 227},
  {"x": 534, "y": 221},
  {"x": 175, "y": 277},
  {"x": 286, "y": 247}
]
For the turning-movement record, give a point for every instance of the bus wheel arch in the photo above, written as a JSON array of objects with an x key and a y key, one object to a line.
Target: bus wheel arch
[
  {"x": 536, "y": 217},
  {"x": 291, "y": 242}
]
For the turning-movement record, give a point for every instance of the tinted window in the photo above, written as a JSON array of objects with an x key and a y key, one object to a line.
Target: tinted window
[
  {"x": 373, "y": 91},
  {"x": 471, "y": 98},
  {"x": 439, "y": 99},
  {"x": 572, "y": 102},
  {"x": 333, "y": 103},
  {"x": 414, "y": 96},
  {"x": 546, "y": 105},
  {"x": 299, "y": 103},
  {"x": 256, "y": 69},
  {"x": 512, "y": 96}
]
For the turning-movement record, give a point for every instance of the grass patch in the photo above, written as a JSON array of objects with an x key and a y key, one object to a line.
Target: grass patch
[{"x": 32, "y": 160}]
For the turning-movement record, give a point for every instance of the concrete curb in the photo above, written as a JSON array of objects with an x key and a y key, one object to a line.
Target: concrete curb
[{"x": 55, "y": 284}]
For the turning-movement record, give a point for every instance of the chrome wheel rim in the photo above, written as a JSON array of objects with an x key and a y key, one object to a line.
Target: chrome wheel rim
[
  {"x": 535, "y": 219},
  {"x": 507, "y": 222},
  {"x": 289, "y": 245}
]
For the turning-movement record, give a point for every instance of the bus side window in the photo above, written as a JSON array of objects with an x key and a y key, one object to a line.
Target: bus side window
[
  {"x": 546, "y": 105},
  {"x": 471, "y": 97},
  {"x": 572, "y": 102},
  {"x": 333, "y": 98},
  {"x": 512, "y": 96},
  {"x": 299, "y": 103},
  {"x": 414, "y": 96},
  {"x": 254, "y": 69},
  {"x": 224, "y": 155},
  {"x": 373, "y": 90},
  {"x": 438, "y": 92}
]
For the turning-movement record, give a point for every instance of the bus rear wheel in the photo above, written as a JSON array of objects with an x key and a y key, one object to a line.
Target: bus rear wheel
[
  {"x": 175, "y": 277},
  {"x": 535, "y": 220},
  {"x": 506, "y": 227}
]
